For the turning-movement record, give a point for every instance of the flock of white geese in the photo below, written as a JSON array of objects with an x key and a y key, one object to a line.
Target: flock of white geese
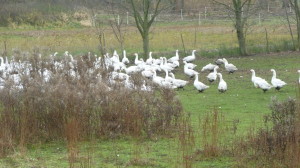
[{"x": 121, "y": 71}]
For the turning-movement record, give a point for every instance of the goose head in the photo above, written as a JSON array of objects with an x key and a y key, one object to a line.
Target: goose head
[
  {"x": 66, "y": 53},
  {"x": 136, "y": 55},
  {"x": 253, "y": 72},
  {"x": 115, "y": 53}
]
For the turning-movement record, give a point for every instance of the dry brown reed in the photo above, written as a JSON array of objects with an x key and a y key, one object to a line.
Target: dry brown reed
[
  {"x": 277, "y": 144},
  {"x": 212, "y": 129},
  {"x": 79, "y": 107}
]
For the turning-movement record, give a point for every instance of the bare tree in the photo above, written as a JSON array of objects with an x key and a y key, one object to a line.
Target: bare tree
[
  {"x": 296, "y": 9},
  {"x": 241, "y": 12},
  {"x": 144, "y": 13},
  {"x": 118, "y": 26}
]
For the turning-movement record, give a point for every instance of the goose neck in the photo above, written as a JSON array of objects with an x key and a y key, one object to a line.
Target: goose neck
[
  {"x": 196, "y": 78},
  {"x": 173, "y": 76},
  {"x": 154, "y": 74},
  {"x": 253, "y": 74},
  {"x": 215, "y": 70},
  {"x": 221, "y": 77},
  {"x": 167, "y": 74},
  {"x": 274, "y": 75}
]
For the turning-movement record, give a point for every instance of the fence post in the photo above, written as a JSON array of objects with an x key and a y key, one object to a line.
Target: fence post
[
  {"x": 118, "y": 19},
  {"x": 181, "y": 14},
  {"x": 259, "y": 19},
  {"x": 199, "y": 21},
  {"x": 205, "y": 12},
  {"x": 127, "y": 19},
  {"x": 268, "y": 8},
  {"x": 290, "y": 8}
]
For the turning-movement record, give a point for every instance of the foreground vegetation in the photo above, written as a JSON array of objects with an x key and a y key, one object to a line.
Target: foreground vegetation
[{"x": 207, "y": 137}]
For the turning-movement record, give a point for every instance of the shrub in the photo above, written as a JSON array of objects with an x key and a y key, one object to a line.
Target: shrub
[{"x": 277, "y": 144}]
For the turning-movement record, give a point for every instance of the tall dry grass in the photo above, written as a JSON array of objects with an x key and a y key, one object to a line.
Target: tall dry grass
[
  {"x": 80, "y": 107},
  {"x": 277, "y": 144}
]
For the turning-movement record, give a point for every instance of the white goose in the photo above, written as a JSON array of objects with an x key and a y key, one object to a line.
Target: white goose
[
  {"x": 168, "y": 78},
  {"x": 213, "y": 75},
  {"x": 157, "y": 79},
  {"x": 132, "y": 70},
  {"x": 277, "y": 83},
  {"x": 229, "y": 67},
  {"x": 189, "y": 65},
  {"x": 259, "y": 82},
  {"x": 178, "y": 82},
  {"x": 145, "y": 87},
  {"x": 167, "y": 83},
  {"x": 219, "y": 62},
  {"x": 136, "y": 60},
  {"x": 149, "y": 61},
  {"x": 254, "y": 78},
  {"x": 128, "y": 84},
  {"x": 191, "y": 57},
  {"x": 118, "y": 75},
  {"x": 199, "y": 85},
  {"x": 125, "y": 59},
  {"x": 189, "y": 72},
  {"x": 173, "y": 65},
  {"x": 174, "y": 58},
  {"x": 209, "y": 67},
  {"x": 165, "y": 66},
  {"x": 148, "y": 73},
  {"x": 264, "y": 85},
  {"x": 222, "y": 84}
]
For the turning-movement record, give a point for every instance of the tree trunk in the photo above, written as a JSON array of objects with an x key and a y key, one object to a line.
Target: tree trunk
[
  {"x": 242, "y": 41},
  {"x": 239, "y": 25},
  {"x": 297, "y": 12},
  {"x": 146, "y": 44}
]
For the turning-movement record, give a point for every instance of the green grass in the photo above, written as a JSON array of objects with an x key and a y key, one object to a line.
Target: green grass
[
  {"x": 211, "y": 39},
  {"x": 241, "y": 102}
]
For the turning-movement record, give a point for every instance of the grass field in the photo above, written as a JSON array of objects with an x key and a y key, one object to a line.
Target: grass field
[
  {"x": 211, "y": 39},
  {"x": 242, "y": 106},
  {"x": 242, "y": 103}
]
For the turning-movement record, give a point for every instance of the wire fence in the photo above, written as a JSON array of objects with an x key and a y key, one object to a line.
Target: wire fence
[
  {"x": 215, "y": 15},
  {"x": 270, "y": 33}
]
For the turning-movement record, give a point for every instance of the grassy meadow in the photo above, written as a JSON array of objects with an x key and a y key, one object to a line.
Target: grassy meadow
[{"x": 241, "y": 109}]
